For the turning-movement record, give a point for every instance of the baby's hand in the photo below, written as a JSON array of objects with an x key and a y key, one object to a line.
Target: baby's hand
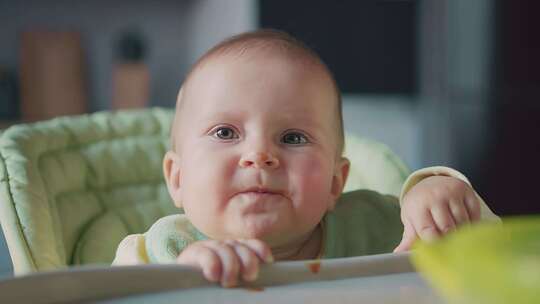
[
  {"x": 225, "y": 261},
  {"x": 435, "y": 206}
]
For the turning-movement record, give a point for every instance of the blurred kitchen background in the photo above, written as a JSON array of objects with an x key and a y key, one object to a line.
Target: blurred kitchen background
[{"x": 441, "y": 82}]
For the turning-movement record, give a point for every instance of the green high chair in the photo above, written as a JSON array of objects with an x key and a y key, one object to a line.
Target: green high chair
[{"x": 72, "y": 188}]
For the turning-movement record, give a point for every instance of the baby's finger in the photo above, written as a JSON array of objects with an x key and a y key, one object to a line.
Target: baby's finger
[
  {"x": 230, "y": 264},
  {"x": 459, "y": 212},
  {"x": 473, "y": 206},
  {"x": 409, "y": 236},
  {"x": 260, "y": 248},
  {"x": 425, "y": 227},
  {"x": 442, "y": 216},
  {"x": 205, "y": 259},
  {"x": 249, "y": 266}
]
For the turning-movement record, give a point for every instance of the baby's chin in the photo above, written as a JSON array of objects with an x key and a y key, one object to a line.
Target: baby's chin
[{"x": 265, "y": 227}]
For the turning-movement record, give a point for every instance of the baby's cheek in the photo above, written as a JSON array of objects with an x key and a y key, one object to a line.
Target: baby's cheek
[
  {"x": 313, "y": 179},
  {"x": 205, "y": 183},
  {"x": 315, "y": 172}
]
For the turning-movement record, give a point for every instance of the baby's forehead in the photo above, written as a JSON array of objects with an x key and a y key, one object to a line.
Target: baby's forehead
[
  {"x": 262, "y": 57},
  {"x": 258, "y": 78},
  {"x": 298, "y": 70}
]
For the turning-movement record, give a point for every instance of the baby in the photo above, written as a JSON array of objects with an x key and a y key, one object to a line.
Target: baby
[{"x": 256, "y": 164}]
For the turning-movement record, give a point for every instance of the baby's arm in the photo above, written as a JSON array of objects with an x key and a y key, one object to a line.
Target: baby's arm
[
  {"x": 419, "y": 175},
  {"x": 435, "y": 201},
  {"x": 225, "y": 261}
]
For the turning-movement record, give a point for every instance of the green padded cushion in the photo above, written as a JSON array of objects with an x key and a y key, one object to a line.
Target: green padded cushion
[
  {"x": 373, "y": 166},
  {"x": 78, "y": 185},
  {"x": 71, "y": 188}
]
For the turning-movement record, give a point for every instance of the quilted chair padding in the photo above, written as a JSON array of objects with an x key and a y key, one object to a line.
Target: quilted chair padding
[{"x": 73, "y": 187}]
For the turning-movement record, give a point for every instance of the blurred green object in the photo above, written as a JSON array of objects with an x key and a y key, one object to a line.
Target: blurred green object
[{"x": 485, "y": 263}]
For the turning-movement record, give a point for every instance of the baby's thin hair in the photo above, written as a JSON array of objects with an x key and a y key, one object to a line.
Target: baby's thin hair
[{"x": 264, "y": 40}]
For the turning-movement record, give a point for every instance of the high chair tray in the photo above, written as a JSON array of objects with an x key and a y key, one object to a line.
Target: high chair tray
[{"x": 385, "y": 278}]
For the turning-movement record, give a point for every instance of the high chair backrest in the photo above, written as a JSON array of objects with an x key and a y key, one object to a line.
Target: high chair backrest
[{"x": 73, "y": 187}]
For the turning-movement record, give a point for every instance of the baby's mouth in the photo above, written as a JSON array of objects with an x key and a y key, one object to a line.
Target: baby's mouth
[
  {"x": 261, "y": 191},
  {"x": 260, "y": 199}
]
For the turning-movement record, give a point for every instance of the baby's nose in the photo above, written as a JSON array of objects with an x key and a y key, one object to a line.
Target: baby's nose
[{"x": 259, "y": 160}]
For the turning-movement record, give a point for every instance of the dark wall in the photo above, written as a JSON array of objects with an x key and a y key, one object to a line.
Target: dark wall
[
  {"x": 512, "y": 172},
  {"x": 369, "y": 45}
]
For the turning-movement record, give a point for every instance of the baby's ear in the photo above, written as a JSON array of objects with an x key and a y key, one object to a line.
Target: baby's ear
[
  {"x": 171, "y": 171},
  {"x": 339, "y": 179}
]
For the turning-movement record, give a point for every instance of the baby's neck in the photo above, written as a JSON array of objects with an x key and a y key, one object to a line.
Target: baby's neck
[{"x": 306, "y": 248}]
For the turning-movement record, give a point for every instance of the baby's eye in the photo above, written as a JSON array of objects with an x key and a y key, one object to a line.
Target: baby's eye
[
  {"x": 225, "y": 133},
  {"x": 294, "y": 138}
]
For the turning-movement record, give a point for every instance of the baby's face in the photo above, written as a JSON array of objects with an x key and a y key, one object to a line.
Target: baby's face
[{"x": 257, "y": 149}]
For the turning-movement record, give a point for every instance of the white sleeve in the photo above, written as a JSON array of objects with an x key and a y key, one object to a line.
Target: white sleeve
[{"x": 131, "y": 251}]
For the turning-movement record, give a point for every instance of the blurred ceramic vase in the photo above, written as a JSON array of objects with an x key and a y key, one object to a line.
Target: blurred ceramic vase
[{"x": 131, "y": 77}]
